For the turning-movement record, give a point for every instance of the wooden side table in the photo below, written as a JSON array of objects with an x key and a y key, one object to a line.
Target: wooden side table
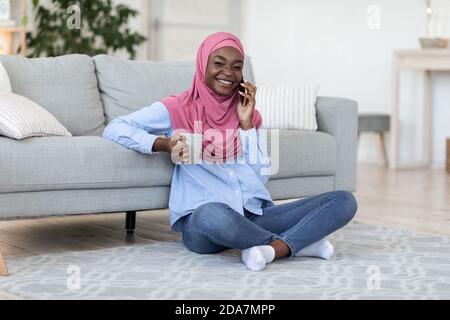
[
  {"x": 425, "y": 60},
  {"x": 9, "y": 33}
]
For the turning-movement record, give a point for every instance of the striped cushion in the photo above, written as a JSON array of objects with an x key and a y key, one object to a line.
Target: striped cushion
[
  {"x": 288, "y": 107},
  {"x": 21, "y": 118}
]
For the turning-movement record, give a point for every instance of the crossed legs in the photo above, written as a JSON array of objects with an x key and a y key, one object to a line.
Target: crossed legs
[{"x": 287, "y": 228}]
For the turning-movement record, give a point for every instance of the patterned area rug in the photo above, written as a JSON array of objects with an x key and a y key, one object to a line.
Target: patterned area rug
[{"x": 369, "y": 263}]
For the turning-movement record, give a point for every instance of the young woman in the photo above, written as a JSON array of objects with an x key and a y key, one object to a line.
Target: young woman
[{"x": 216, "y": 203}]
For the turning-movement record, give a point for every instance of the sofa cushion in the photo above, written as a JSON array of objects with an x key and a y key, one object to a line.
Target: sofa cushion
[
  {"x": 21, "y": 118},
  {"x": 288, "y": 106},
  {"x": 65, "y": 86},
  {"x": 59, "y": 163},
  {"x": 302, "y": 153},
  {"x": 129, "y": 85}
]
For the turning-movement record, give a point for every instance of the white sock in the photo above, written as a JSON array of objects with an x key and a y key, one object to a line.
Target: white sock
[
  {"x": 321, "y": 249},
  {"x": 256, "y": 258}
]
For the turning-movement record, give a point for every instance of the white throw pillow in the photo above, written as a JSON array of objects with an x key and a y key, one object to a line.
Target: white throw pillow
[
  {"x": 5, "y": 84},
  {"x": 21, "y": 118},
  {"x": 288, "y": 107}
]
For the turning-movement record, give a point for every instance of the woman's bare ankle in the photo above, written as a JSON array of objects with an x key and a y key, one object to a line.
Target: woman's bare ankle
[{"x": 281, "y": 249}]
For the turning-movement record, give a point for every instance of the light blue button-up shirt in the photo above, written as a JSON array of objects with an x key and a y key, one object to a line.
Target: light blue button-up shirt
[{"x": 239, "y": 185}]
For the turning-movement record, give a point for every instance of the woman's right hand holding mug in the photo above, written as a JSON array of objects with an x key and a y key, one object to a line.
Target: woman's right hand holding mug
[
  {"x": 177, "y": 146},
  {"x": 179, "y": 149}
]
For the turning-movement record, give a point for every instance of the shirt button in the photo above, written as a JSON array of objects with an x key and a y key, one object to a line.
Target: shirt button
[
  {"x": 231, "y": 173},
  {"x": 237, "y": 191}
]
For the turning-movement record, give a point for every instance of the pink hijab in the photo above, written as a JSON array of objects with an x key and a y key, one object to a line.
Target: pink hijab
[{"x": 200, "y": 110}]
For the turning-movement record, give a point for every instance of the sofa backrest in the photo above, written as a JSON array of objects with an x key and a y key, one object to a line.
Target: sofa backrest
[
  {"x": 83, "y": 92},
  {"x": 128, "y": 85},
  {"x": 66, "y": 86}
]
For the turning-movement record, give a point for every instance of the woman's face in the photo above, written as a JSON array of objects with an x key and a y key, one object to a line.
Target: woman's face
[{"x": 224, "y": 70}]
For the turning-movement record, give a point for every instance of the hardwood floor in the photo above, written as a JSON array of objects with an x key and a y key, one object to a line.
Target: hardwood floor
[
  {"x": 415, "y": 200},
  {"x": 407, "y": 199}
]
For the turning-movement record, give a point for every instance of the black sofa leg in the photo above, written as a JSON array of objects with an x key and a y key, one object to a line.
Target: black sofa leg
[{"x": 130, "y": 222}]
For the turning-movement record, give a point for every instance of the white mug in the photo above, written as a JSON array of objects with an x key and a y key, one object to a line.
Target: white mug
[{"x": 194, "y": 142}]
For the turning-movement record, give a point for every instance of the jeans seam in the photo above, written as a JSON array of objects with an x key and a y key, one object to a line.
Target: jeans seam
[
  {"x": 294, "y": 208},
  {"x": 195, "y": 230},
  {"x": 311, "y": 219},
  {"x": 299, "y": 204}
]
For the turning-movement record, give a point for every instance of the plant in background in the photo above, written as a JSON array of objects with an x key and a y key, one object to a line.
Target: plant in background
[{"x": 101, "y": 27}]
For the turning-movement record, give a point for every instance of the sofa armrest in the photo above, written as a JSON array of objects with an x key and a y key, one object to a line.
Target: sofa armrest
[{"x": 339, "y": 117}]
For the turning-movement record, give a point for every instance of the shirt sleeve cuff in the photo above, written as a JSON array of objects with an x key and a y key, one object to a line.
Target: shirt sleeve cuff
[{"x": 147, "y": 142}]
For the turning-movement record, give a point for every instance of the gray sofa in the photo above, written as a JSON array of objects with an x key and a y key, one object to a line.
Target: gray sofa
[{"x": 86, "y": 174}]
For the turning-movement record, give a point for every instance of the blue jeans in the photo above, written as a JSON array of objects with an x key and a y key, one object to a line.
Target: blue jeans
[{"x": 214, "y": 226}]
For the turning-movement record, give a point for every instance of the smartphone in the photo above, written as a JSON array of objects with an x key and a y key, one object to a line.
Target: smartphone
[{"x": 243, "y": 90}]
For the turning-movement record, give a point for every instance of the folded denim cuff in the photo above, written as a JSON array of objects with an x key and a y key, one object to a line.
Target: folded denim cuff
[
  {"x": 272, "y": 238},
  {"x": 289, "y": 244}
]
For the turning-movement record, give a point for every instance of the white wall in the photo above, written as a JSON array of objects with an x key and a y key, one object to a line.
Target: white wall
[
  {"x": 179, "y": 26},
  {"x": 329, "y": 42}
]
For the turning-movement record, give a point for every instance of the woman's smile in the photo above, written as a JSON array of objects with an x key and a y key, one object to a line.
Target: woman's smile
[{"x": 225, "y": 83}]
